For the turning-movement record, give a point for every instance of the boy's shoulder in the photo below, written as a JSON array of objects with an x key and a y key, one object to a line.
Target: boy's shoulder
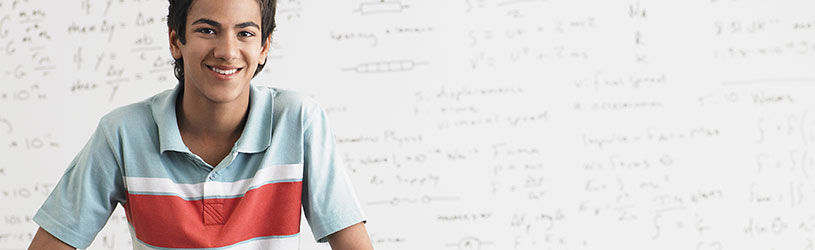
[
  {"x": 285, "y": 100},
  {"x": 136, "y": 116}
]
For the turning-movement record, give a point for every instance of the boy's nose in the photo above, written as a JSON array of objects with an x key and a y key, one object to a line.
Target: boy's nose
[{"x": 226, "y": 48}]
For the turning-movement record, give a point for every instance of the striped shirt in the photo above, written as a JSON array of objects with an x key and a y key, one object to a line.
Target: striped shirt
[{"x": 285, "y": 159}]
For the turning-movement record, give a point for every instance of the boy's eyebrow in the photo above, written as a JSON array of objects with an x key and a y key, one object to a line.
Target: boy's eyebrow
[
  {"x": 218, "y": 25},
  {"x": 247, "y": 24},
  {"x": 208, "y": 21}
]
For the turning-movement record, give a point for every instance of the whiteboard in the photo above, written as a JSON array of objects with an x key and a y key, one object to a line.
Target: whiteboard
[{"x": 475, "y": 124}]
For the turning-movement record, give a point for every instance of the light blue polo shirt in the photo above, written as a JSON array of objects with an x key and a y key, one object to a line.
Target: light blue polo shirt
[{"x": 285, "y": 158}]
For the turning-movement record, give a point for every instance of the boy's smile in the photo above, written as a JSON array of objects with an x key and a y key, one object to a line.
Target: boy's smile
[{"x": 224, "y": 72}]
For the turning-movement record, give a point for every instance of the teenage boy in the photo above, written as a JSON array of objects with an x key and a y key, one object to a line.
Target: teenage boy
[{"x": 214, "y": 163}]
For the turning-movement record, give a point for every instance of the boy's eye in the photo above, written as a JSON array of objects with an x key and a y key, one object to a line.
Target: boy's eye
[
  {"x": 246, "y": 34},
  {"x": 205, "y": 30}
]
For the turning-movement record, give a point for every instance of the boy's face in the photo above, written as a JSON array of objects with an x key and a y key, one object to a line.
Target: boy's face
[{"x": 223, "y": 48}]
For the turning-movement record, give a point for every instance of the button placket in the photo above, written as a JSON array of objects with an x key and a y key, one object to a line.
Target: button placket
[
  {"x": 213, "y": 206},
  {"x": 213, "y": 211}
]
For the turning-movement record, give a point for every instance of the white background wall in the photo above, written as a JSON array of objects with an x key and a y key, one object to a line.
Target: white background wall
[{"x": 475, "y": 124}]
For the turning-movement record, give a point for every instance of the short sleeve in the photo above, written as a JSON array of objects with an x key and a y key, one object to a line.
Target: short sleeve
[
  {"x": 329, "y": 201},
  {"x": 86, "y": 195}
]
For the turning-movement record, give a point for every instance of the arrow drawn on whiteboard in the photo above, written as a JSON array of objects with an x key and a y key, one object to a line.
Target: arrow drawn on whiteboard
[
  {"x": 396, "y": 201},
  {"x": 469, "y": 243}
]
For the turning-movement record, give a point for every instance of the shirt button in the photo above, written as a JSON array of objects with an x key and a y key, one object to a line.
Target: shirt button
[{"x": 212, "y": 177}]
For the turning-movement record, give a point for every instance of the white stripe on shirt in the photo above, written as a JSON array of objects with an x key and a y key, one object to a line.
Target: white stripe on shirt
[{"x": 165, "y": 186}]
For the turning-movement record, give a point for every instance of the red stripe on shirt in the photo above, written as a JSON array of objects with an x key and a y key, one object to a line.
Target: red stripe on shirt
[{"x": 172, "y": 222}]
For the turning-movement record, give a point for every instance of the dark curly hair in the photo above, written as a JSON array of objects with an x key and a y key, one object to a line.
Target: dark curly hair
[{"x": 177, "y": 19}]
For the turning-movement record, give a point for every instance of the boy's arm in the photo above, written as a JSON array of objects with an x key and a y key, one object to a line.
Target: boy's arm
[
  {"x": 44, "y": 240},
  {"x": 351, "y": 238}
]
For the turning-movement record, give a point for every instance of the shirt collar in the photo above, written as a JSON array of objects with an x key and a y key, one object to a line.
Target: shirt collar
[
  {"x": 257, "y": 133},
  {"x": 255, "y": 137}
]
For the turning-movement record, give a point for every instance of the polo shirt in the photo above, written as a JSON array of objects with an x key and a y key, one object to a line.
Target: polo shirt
[{"x": 285, "y": 159}]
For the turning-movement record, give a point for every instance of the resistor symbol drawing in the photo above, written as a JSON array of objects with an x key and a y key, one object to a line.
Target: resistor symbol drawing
[
  {"x": 385, "y": 66},
  {"x": 382, "y": 6}
]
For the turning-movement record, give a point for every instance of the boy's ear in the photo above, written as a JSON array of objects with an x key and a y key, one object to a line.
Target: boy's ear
[
  {"x": 264, "y": 50},
  {"x": 175, "y": 44}
]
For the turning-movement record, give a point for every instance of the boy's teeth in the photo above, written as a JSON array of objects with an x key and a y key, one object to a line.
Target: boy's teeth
[{"x": 224, "y": 72}]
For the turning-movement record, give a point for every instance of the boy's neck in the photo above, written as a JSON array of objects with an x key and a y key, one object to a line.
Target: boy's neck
[{"x": 206, "y": 120}]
